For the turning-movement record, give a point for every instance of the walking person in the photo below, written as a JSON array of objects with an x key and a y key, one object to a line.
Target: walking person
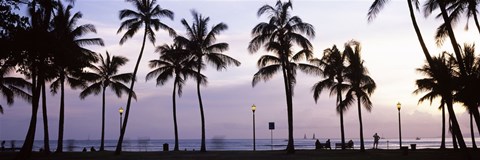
[{"x": 375, "y": 141}]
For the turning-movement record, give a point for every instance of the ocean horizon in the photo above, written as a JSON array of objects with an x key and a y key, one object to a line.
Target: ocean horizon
[{"x": 225, "y": 144}]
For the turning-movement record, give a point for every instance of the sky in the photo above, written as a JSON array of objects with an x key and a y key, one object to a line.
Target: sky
[{"x": 389, "y": 47}]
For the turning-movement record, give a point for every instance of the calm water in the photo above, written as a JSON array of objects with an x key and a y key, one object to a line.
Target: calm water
[{"x": 145, "y": 144}]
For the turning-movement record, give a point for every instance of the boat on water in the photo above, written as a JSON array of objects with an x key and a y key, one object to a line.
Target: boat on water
[{"x": 418, "y": 138}]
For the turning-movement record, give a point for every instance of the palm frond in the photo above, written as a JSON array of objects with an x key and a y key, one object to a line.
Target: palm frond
[
  {"x": 320, "y": 86},
  {"x": 375, "y": 8},
  {"x": 310, "y": 69},
  {"x": 120, "y": 88},
  {"x": 221, "y": 61},
  {"x": 265, "y": 73},
  {"x": 94, "y": 88}
]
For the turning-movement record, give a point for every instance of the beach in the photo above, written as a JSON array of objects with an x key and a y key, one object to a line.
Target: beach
[{"x": 423, "y": 154}]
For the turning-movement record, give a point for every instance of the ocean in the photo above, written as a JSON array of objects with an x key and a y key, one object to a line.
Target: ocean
[{"x": 221, "y": 144}]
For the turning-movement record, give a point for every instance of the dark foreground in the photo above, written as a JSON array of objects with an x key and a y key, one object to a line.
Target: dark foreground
[{"x": 423, "y": 154}]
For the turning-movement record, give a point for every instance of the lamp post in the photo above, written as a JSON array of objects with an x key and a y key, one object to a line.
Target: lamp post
[
  {"x": 253, "y": 111},
  {"x": 120, "y": 110},
  {"x": 399, "y": 106}
]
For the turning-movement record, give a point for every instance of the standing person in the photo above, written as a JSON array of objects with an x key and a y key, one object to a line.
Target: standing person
[{"x": 375, "y": 141}]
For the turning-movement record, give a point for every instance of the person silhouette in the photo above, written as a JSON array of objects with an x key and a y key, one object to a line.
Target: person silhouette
[
  {"x": 92, "y": 149},
  {"x": 317, "y": 144},
  {"x": 375, "y": 141},
  {"x": 327, "y": 144}
]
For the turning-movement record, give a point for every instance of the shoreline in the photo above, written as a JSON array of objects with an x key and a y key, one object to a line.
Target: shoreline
[{"x": 260, "y": 155}]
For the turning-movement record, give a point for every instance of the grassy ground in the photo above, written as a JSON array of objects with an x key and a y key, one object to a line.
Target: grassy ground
[{"x": 424, "y": 154}]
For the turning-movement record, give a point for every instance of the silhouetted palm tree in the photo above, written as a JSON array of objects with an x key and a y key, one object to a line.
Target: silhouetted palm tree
[
  {"x": 201, "y": 45},
  {"x": 439, "y": 83},
  {"x": 429, "y": 7},
  {"x": 173, "y": 62},
  {"x": 468, "y": 92},
  {"x": 33, "y": 46},
  {"x": 377, "y": 5},
  {"x": 279, "y": 35},
  {"x": 333, "y": 66},
  {"x": 70, "y": 58},
  {"x": 432, "y": 85},
  {"x": 147, "y": 14},
  {"x": 443, "y": 5},
  {"x": 106, "y": 76},
  {"x": 361, "y": 85}
]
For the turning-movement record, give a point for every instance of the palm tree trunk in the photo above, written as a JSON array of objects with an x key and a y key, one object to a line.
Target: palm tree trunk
[
  {"x": 362, "y": 145},
  {"x": 340, "y": 110},
  {"x": 202, "y": 116},
  {"x": 472, "y": 132},
  {"x": 454, "y": 139},
  {"x": 453, "y": 40},
  {"x": 46, "y": 139},
  {"x": 118, "y": 149},
  {"x": 342, "y": 130},
  {"x": 476, "y": 115},
  {"x": 419, "y": 34},
  {"x": 455, "y": 127},
  {"x": 102, "y": 141},
  {"x": 27, "y": 146},
  {"x": 442, "y": 145},
  {"x": 175, "y": 115},
  {"x": 62, "y": 114},
  {"x": 288, "y": 94}
]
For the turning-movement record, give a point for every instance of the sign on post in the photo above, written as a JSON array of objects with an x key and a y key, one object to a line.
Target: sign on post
[{"x": 271, "y": 126}]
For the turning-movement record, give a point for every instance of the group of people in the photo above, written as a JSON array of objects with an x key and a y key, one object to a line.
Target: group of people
[
  {"x": 319, "y": 145},
  {"x": 92, "y": 149}
]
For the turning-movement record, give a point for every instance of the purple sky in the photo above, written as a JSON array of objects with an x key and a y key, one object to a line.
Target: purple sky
[{"x": 389, "y": 47}]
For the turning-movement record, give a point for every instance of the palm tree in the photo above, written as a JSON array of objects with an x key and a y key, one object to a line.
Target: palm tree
[
  {"x": 443, "y": 5},
  {"x": 361, "y": 85},
  {"x": 106, "y": 76},
  {"x": 71, "y": 57},
  {"x": 378, "y": 5},
  {"x": 333, "y": 65},
  {"x": 279, "y": 35},
  {"x": 468, "y": 92},
  {"x": 432, "y": 84},
  {"x": 147, "y": 14},
  {"x": 439, "y": 83},
  {"x": 33, "y": 46},
  {"x": 173, "y": 62},
  {"x": 201, "y": 45}
]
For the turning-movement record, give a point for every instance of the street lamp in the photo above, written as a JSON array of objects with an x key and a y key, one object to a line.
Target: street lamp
[
  {"x": 120, "y": 110},
  {"x": 253, "y": 111},
  {"x": 399, "y": 106}
]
